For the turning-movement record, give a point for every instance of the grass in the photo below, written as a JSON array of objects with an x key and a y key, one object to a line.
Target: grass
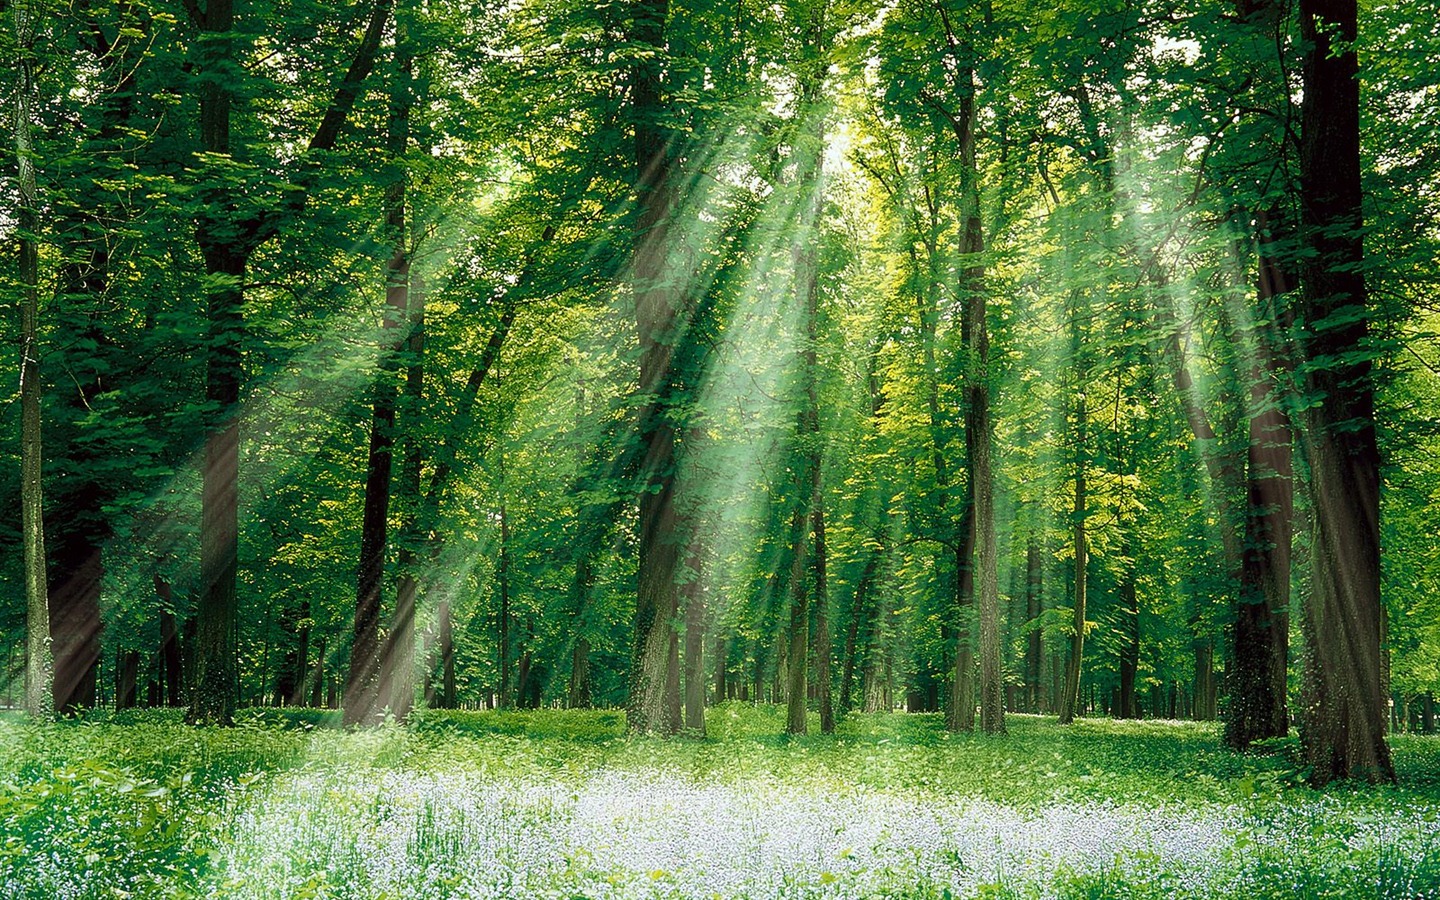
[{"x": 565, "y": 805}]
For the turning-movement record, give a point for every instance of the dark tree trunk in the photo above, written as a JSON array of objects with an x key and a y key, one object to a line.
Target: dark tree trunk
[
  {"x": 1257, "y": 707},
  {"x": 859, "y": 613},
  {"x": 1343, "y": 728},
  {"x": 372, "y": 669},
  {"x": 77, "y": 572},
  {"x": 1035, "y": 636},
  {"x": 1070, "y": 698},
  {"x": 694, "y": 594},
  {"x": 450, "y": 699},
  {"x": 822, "y": 622},
  {"x": 722, "y": 667},
  {"x": 127, "y": 673},
  {"x": 797, "y": 652},
  {"x": 169, "y": 651},
  {"x": 1128, "y": 706},
  {"x": 658, "y": 316},
  {"x": 317, "y": 675},
  {"x": 502, "y": 578}
]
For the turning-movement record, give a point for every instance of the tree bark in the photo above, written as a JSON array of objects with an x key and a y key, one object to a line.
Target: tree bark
[
  {"x": 1129, "y": 706},
  {"x": 797, "y": 654},
  {"x": 658, "y": 319},
  {"x": 39, "y": 663},
  {"x": 694, "y": 593},
  {"x": 823, "y": 679},
  {"x": 1035, "y": 636},
  {"x": 1070, "y": 698},
  {"x": 227, "y": 237},
  {"x": 1343, "y": 731}
]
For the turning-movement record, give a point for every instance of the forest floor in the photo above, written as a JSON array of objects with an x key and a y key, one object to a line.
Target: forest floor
[{"x": 565, "y": 805}]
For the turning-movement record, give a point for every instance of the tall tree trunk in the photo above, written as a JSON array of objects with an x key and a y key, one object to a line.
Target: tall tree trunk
[
  {"x": 127, "y": 672},
  {"x": 300, "y": 666},
  {"x": 215, "y": 692},
  {"x": 397, "y": 653},
  {"x": 502, "y": 583},
  {"x": 373, "y": 665},
  {"x": 823, "y": 679},
  {"x": 1343, "y": 732},
  {"x": 39, "y": 663},
  {"x": 722, "y": 668},
  {"x": 170, "y": 662},
  {"x": 978, "y": 425},
  {"x": 1260, "y": 637},
  {"x": 658, "y": 319},
  {"x": 77, "y": 570},
  {"x": 227, "y": 238},
  {"x": 859, "y": 612},
  {"x": 449, "y": 698},
  {"x": 1035, "y": 636},
  {"x": 1129, "y": 706},
  {"x": 694, "y": 593},
  {"x": 1070, "y": 698},
  {"x": 797, "y": 654}
]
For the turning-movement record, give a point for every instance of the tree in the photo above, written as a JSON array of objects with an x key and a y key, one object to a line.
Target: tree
[
  {"x": 227, "y": 235},
  {"x": 39, "y": 665},
  {"x": 1345, "y": 718},
  {"x": 660, "y": 321}
]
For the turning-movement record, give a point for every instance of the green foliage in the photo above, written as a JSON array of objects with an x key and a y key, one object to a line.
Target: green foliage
[{"x": 162, "y": 810}]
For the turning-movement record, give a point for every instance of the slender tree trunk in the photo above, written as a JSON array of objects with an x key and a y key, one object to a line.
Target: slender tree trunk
[
  {"x": 1035, "y": 636},
  {"x": 39, "y": 663},
  {"x": 1129, "y": 706},
  {"x": 170, "y": 662},
  {"x": 1343, "y": 732},
  {"x": 449, "y": 697},
  {"x": 694, "y": 594},
  {"x": 397, "y": 655},
  {"x": 1070, "y": 698},
  {"x": 127, "y": 671},
  {"x": 822, "y": 621},
  {"x": 796, "y": 657},
  {"x": 502, "y": 579},
  {"x": 368, "y": 688},
  {"x": 859, "y": 611},
  {"x": 722, "y": 668}
]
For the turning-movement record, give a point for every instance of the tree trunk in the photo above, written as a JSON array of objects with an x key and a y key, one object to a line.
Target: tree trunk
[
  {"x": 797, "y": 655},
  {"x": 1035, "y": 636},
  {"x": 655, "y": 664},
  {"x": 39, "y": 663},
  {"x": 446, "y": 643},
  {"x": 215, "y": 692},
  {"x": 502, "y": 579},
  {"x": 127, "y": 671},
  {"x": 1343, "y": 733},
  {"x": 372, "y": 670},
  {"x": 979, "y": 428},
  {"x": 694, "y": 594},
  {"x": 169, "y": 645},
  {"x": 1128, "y": 706},
  {"x": 822, "y": 621},
  {"x": 722, "y": 664},
  {"x": 859, "y": 611},
  {"x": 1070, "y": 698},
  {"x": 74, "y": 599}
]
